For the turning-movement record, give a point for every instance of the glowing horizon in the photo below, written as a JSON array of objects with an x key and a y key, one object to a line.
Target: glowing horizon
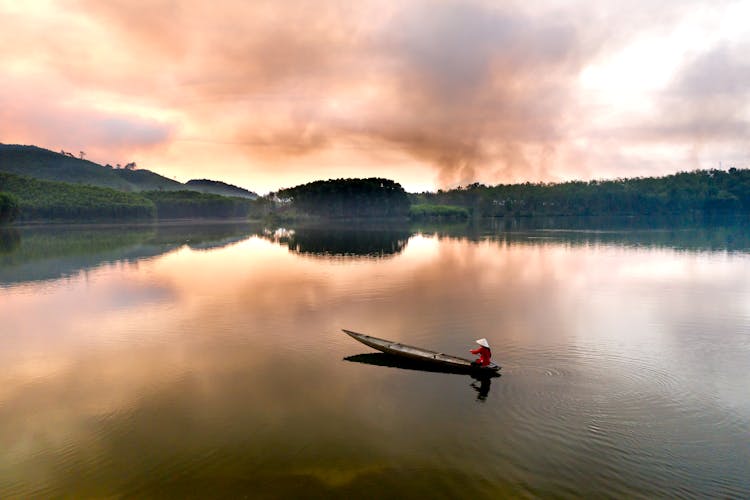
[{"x": 432, "y": 94}]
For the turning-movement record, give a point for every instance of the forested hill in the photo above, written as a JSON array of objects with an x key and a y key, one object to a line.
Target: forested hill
[
  {"x": 44, "y": 164},
  {"x": 29, "y": 199},
  {"x": 684, "y": 192},
  {"x": 49, "y": 165},
  {"x": 43, "y": 200},
  {"x": 218, "y": 187}
]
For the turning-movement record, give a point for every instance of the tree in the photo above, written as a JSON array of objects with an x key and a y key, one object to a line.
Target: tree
[
  {"x": 9, "y": 208},
  {"x": 373, "y": 197}
]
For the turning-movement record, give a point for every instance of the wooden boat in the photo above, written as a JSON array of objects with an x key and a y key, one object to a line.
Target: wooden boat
[{"x": 419, "y": 354}]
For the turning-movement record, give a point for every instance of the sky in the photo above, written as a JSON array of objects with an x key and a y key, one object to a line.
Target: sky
[{"x": 433, "y": 94}]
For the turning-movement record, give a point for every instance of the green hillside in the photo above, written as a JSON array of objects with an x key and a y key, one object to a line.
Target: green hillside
[
  {"x": 45, "y": 164},
  {"x": 145, "y": 180},
  {"x": 8, "y": 208},
  {"x": 190, "y": 204},
  {"x": 55, "y": 201},
  {"x": 218, "y": 187},
  {"x": 29, "y": 199}
]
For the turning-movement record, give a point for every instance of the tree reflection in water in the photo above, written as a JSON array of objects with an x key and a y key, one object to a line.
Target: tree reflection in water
[
  {"x": 40, "y": 253},
  {"x": 10, "y": 239},
  {"x": 342, "y": 241}
]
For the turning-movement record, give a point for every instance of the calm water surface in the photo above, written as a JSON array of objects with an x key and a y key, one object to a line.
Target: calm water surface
[{"x": 209, "y": 361}]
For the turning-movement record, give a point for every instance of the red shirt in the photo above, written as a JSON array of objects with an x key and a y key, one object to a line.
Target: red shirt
[{"x": 484, "y": 355}]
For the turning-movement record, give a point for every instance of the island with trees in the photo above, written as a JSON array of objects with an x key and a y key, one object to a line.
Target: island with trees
[{"x": 373, "y": 197}]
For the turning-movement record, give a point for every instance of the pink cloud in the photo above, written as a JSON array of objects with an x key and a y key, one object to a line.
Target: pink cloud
[{"x": 288, "y": 92}]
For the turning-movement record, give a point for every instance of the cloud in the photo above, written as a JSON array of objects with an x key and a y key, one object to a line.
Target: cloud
[
  {"x": 707, "y": 96},
  {"x": 722, "y": 71},
  {"x": 703, "y": 109},
  {"x": 456, "y": 85},
  {"x": 42, "y": 117},
  {"x": 474, "y": 86},
  {"x": 475, "y": 90}
]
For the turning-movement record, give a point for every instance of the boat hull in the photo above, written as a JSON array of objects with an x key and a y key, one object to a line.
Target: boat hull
[{"x": 417, "y": 353}]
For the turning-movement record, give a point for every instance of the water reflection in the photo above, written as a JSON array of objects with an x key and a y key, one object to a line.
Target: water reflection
[
  {"x": 695, "y": 233},
  {"x": 46, "y": 253},
  {"x": 51, "y": 252},
  {"x": 347, "y": 241},
  {"x": 391, "y": 361},
  {"x": 625, "y": 370},
  {"x": 482, "y": 380},
  {"x": 482, "y": 386},
  {"x": 10, "y": 238}
]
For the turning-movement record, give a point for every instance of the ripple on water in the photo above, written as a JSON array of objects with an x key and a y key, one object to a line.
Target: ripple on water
[{"x": 598, "y": 410}]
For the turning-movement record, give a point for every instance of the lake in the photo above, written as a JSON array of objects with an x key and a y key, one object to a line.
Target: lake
[{"x": 208, "y": 360}]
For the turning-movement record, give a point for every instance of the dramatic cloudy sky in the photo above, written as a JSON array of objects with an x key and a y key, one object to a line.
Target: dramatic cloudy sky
[{"x": 268, "y": 94}]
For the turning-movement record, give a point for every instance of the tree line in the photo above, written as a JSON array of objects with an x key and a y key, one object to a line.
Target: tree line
[
  {"x": 700, "y": 191},
  {"x": 8, "y": 208},
  {"x": 30, "y": 199},
  {"x": 704, "y": 191},
  {"x": 50, "y": 200},
  {"x": 711, "y": 191},
  {"x": 189, "y": 204}
]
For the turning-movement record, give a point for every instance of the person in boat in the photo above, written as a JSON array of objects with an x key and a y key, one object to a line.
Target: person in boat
[{"x": 484, "y": 353}]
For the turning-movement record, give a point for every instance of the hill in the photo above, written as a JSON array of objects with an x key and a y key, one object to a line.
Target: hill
[
  {"x": 192, "y": 204},
  {"x": 50, "y": 200},
  {"x": 48, "y": 165},
  {"x": 218, "y": 187},
  {"x": 30, "y": 199},
  {"x": 145, "y": 180}
]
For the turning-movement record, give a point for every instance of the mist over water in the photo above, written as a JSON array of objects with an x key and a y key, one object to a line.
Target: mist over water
[{"x": 209, "y": 360}]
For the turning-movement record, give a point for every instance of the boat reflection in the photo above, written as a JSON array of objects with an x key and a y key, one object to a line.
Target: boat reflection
[{"x": 481, "y": 384}]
